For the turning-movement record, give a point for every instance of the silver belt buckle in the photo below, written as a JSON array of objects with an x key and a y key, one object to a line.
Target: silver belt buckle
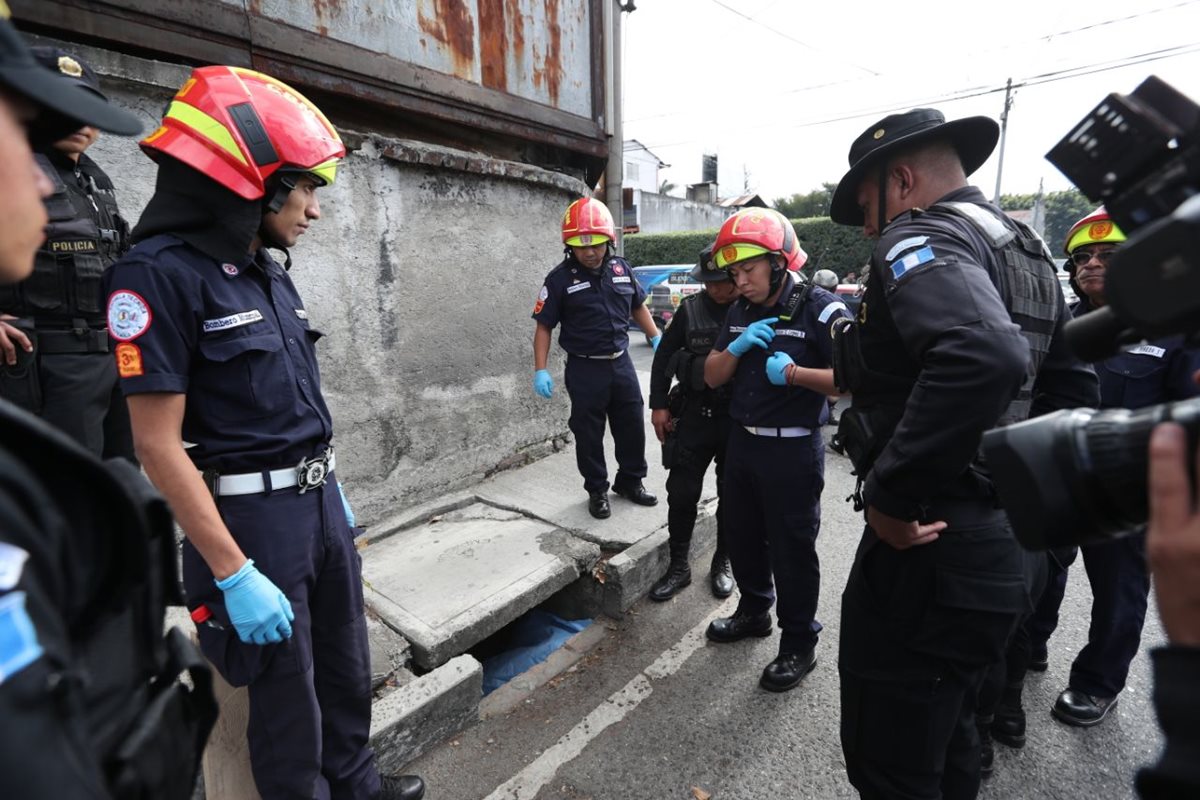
[{"x": 311, "y": 473}]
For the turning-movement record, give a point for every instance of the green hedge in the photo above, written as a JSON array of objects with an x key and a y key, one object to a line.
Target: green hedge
[{"x": 841, "y": 248}]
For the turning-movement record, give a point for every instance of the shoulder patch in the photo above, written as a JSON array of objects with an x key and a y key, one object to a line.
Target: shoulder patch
[
  {"x": 129, "y": 360},
  {"x": 905, "y": 245},
  {"x": 828, "y": 310},
  {"x": 911, "y": 261},
  {"x": 128, "y": 315},
  {"x": 19, "y": 646}
]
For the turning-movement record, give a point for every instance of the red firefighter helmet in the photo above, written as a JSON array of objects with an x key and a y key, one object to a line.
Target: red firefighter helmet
[
  {"x": 754, "y": 232},
  {"x": 1096, "y": 228},
  {"x": 240, "y": 127},
  {"x": 586, "y": 223}
]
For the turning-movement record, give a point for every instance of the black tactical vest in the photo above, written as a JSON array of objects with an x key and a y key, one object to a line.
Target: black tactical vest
[
  {"x": 86, "y": 234},
  {"x": 702, "y": 327},
  {"x": 1028, "y": 287}
]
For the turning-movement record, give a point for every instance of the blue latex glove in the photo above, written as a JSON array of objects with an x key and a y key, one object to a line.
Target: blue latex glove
[
  {"x": 258, "y": 610},
  {"x": 654, "y": 342},
  {"x": 543, "y": 384},
  {"x": 757, "y": 334},
  {"x": 777, "y": 364},
  {"x": 350, "y": 518}
]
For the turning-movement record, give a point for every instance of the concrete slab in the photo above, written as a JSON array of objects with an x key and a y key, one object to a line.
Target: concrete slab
[
  {"x": 408, "y": 721},
  {"x": 452, "y": 582},
  {"x": 390, "y": 652}
]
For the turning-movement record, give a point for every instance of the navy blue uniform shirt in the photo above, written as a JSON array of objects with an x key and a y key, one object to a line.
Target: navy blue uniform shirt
[
  {"x": 593, "y": 306},
  {"x": 235, "y": 338},
  {"x": 758, "y": 402},
  {"x": 1145, "y": 374}
]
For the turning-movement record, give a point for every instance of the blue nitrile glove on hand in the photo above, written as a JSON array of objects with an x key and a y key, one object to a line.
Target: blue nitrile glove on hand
[
  {"x": 260, "y": 613},
  {"x": 757, "y": 334},
  {"x": 543, "y": 384},
  {"x": 654, "y": 342},
  {"x": 777, "y": 364},
  {"x": 350, "y": 518}
]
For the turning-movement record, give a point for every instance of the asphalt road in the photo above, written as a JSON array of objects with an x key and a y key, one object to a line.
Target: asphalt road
[{"x": 656, "y": 712}]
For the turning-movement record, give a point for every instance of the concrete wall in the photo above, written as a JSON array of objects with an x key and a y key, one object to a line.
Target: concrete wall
[
  {"x": 660, "y": 213},
  {"x": 422, "y": 273}
]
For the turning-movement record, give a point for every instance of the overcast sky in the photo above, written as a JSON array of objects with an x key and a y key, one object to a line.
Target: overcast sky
[{"x": 768, "y": 85}]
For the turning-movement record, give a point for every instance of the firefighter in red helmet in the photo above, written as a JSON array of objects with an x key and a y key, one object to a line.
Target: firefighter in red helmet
[
  {"x": 593, "y": 294},
  {"x": 775, "y": 346},
  {"x": 214, "y": 347}
]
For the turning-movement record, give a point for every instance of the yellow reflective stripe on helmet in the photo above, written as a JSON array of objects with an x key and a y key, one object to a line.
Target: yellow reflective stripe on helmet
[
  {"x": 735, "y": 253},
  {"x": 4, "y": 12},
  {"x": 1103, "y": 231},
  {"x": 327, "y": 172},
  {"x": 587, "y": 240},
  {"x": 205, "y": 126}
]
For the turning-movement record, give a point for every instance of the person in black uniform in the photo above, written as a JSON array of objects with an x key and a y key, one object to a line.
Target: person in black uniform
[
  {"x": 692, "y": 422},
  {"x": 594, "y": 294},
  {"x": 959, "y": 330},
  {"x": 1139, "y": 376},
  {"x": 56, "y": 362},
  {"x": 215, "y": 347},
  {"x": 89, "y": 697},
  {"x": 775, "y": 346}
]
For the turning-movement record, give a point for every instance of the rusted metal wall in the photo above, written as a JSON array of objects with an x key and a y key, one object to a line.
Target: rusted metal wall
[
  {"x": 536, "y": 49},
  {"x": 527, "y": 71}
]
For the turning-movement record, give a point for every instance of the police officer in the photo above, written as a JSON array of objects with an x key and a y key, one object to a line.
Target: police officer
[
  {"x": 692, "y": 422},
  {"x": 55, "y": 356},
  {"x": 775, "y": 346},
  {"x": 215, "y": 347},
  {"x": 593, "y": 294},
  {"x": 960, "y": 329},
  {"x": 88, "y": 689},
  {"x": 827, "y": 279},
  {"x": 1142, "y": 375}
]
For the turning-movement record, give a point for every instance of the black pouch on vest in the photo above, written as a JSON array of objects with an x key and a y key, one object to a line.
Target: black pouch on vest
[
  {"x": 848, "y": 366},
  {"x": 21, "y": 383}
]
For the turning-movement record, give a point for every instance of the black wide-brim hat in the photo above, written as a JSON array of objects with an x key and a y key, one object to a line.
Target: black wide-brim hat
[
  {"x": 705, "y": 270},
  {"x": 973, "y": 137},
  {"x": 66, "y": 104}
]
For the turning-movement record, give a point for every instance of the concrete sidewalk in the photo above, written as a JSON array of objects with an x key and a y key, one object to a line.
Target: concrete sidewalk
[{"x": 443, "y": 577}]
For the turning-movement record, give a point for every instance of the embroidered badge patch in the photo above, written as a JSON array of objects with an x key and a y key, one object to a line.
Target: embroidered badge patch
[
  {"x": 19, "y": 645},
  {"x": 911, "y": 261},
  {"x": 128, "y": 315},
  {"x": 129, "y": 360},
  {"x": 232, "y": 321},
  {"x": 905, "y": 245},
  {"x": 541, "y": 301},
  {"x": 230, "y": 269},
  {"x": 618, "y": 269}
]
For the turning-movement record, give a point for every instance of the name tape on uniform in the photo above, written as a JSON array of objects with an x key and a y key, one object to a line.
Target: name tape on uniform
[
  {"x": 1148, "y": 350},
  {"x": 795, "y": 333},
  {"x": 620, "y": 279},
  {"x": 232, "y": 321},
  {"x": 579, "y": 287}
]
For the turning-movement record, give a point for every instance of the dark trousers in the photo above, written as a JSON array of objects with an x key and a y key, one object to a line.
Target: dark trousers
[
  {"x": 1120, "y": 581},
  {"x": 600, "y": 390},
  {"x": 920, "y": 629},
  {"x": 773, "y": 505},
  {"x": 699, "y": 440},
  {"x": 78, "y": 394},
  {"x": 310, "y": 696}
]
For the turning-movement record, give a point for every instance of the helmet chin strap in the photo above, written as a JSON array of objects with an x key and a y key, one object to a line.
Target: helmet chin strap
[
  {"x": 273, "y": 201},
  {"x": 778, "y": 270}
]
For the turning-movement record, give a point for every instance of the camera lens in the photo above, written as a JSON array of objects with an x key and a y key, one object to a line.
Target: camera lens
[{"x": 1079, "y": 476}]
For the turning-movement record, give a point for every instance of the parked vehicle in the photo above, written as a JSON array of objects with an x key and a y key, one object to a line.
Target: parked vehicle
[{"x": 666, "y": 285}]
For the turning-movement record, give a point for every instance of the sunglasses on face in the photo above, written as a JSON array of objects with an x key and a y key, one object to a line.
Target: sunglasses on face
[{"x": 1080, "y": 257}]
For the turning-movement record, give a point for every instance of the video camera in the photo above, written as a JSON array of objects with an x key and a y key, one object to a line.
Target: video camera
[{"x": 1080, "y": 475}]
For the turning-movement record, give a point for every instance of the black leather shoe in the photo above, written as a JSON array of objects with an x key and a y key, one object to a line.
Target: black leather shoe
[
  {"x": 679, "y": 575},
  {"x": 721, "y": 577},
  {"x": 598, "y": 505},
  {"x": 787, "y": 670},
  {"x": 1039, "y": 661},
  {"x": 1008, "y": 727},
  {"x": 636, "y": 493},
  {"x": 739, "y": 626},
  {"x": 1082, "y": 710},
  {"x": 400, "y": 787}
]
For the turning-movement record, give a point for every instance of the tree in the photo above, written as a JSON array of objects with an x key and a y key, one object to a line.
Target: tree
[
  {"x": 813, "y": 204},
  {"x": 1064, "y": 209},
  {"x": 665, "y": 187}
]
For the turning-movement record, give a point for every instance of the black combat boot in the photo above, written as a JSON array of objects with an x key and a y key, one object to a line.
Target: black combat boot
[
  {"x": 1008, "y": 723},
  {"x": 721, "y": 576},
  {"x": 679, "y": 574}
]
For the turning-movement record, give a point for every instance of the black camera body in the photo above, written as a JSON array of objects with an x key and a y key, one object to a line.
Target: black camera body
[{"x": 1076, "y": 476}]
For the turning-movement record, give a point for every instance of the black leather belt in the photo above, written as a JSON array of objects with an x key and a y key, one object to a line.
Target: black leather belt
[{"x": 86, "y": 340}]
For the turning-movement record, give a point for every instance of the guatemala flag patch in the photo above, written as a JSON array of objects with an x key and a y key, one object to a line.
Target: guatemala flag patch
[{"x": 911, "y": 261}]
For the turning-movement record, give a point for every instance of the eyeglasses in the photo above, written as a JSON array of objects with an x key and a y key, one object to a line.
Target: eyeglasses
[{"x": 1081, "y": 257}]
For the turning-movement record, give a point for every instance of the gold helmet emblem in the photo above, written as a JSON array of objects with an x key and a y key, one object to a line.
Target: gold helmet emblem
[
  {"x": 69, "y": 66},
  {"x": 878, "y": 134}
]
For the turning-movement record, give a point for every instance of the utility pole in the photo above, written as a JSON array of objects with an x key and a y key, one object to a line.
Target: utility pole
[{"x": 1003, "y": 134}]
